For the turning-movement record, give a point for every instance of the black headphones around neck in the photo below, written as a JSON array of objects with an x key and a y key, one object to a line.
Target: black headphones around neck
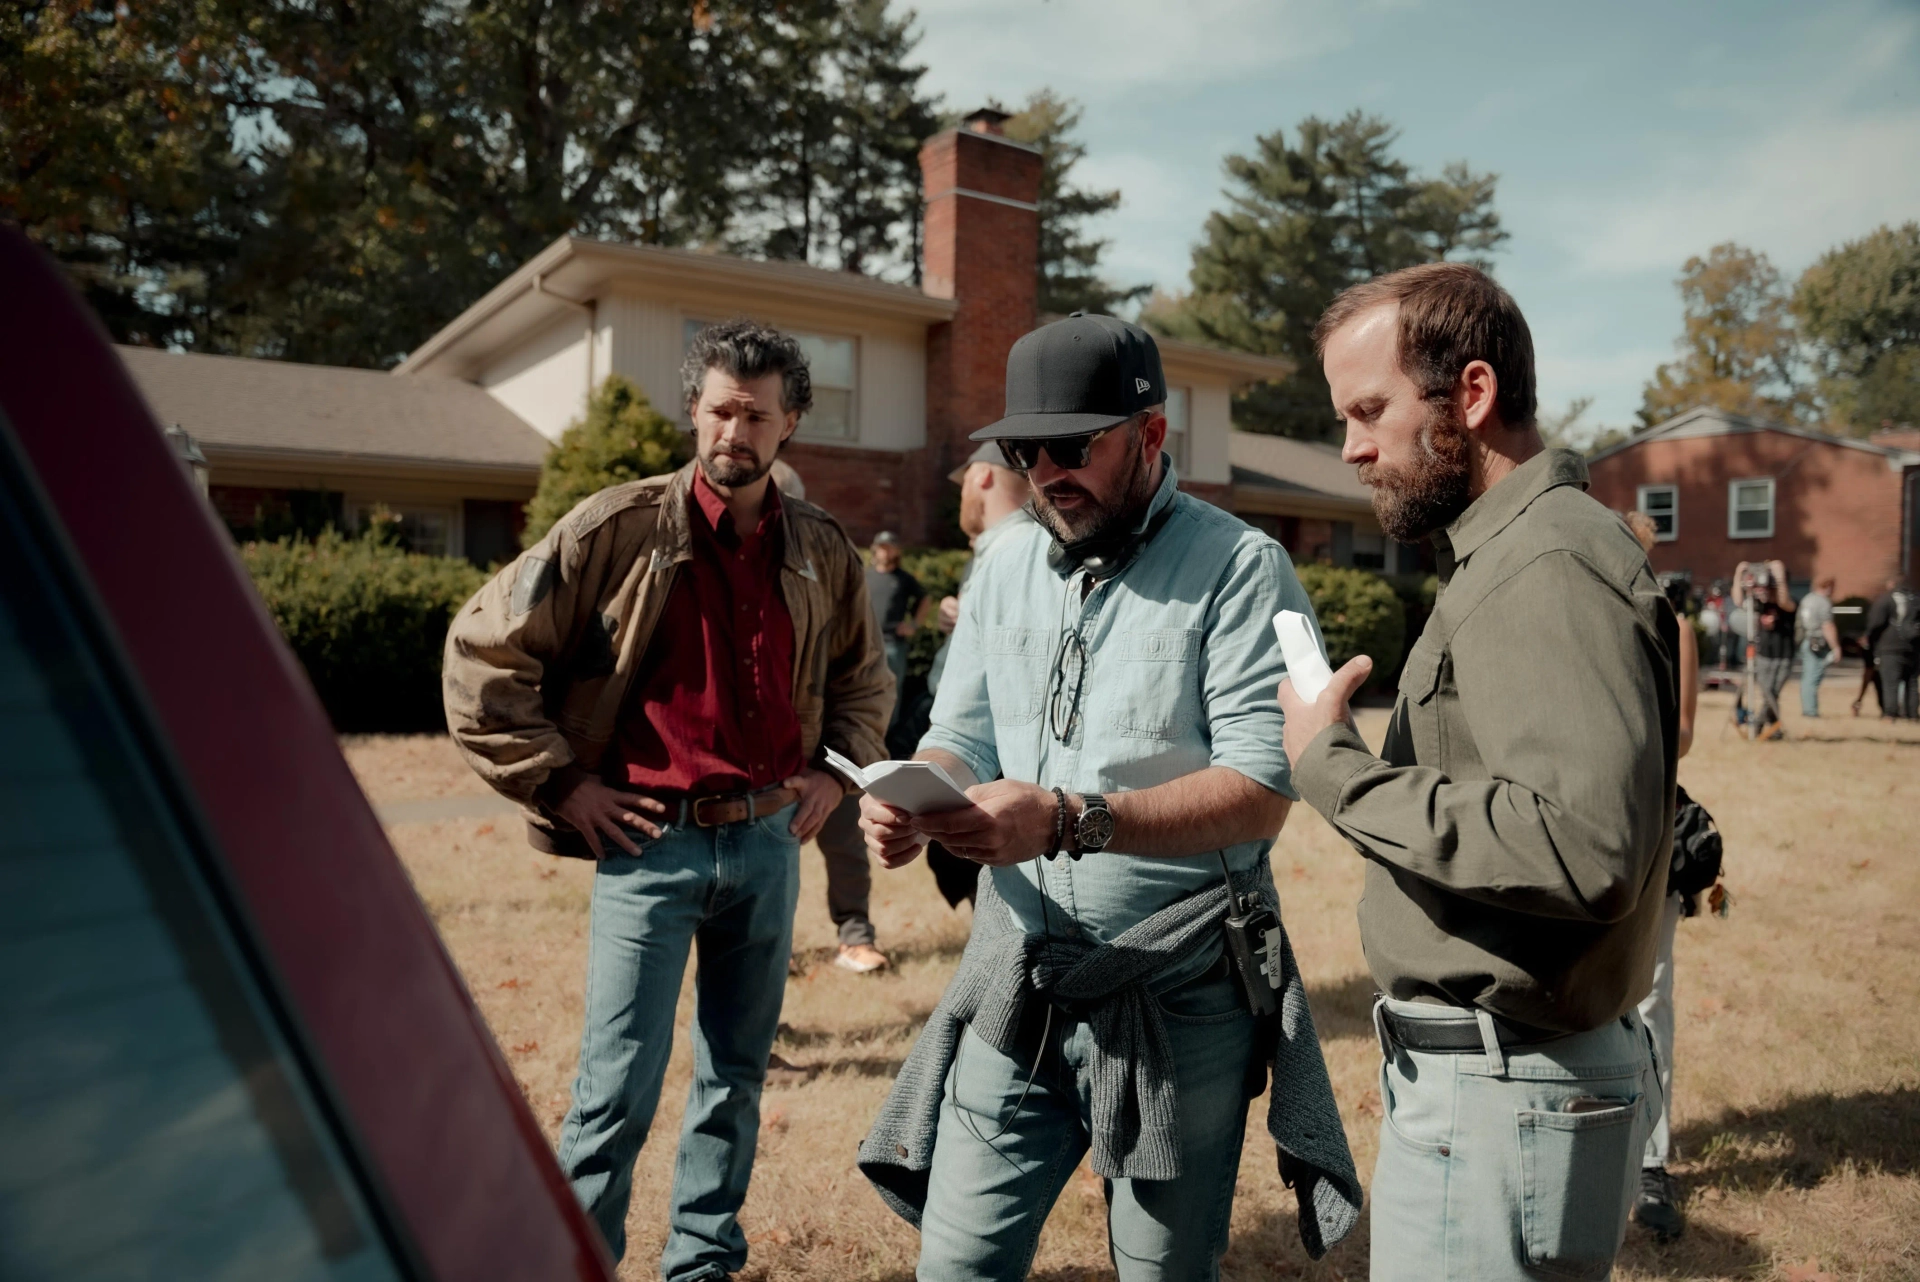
[{"x": 1106, "y": 554}]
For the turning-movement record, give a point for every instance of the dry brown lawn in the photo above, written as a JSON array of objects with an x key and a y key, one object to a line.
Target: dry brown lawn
[{"x": 1797, "y": 1109}]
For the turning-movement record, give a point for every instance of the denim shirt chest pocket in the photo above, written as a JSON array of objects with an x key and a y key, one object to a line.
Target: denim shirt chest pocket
[
  {"x": 1158, "y": 694},
  {"x": 1017, "y": 670}
]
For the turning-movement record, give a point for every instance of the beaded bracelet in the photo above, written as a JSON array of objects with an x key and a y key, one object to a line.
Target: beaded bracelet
[{"x": 1059, "y": 823}]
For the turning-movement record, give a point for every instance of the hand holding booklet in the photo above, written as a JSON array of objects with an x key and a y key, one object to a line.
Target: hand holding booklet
[{"x": 917, "y": 787}]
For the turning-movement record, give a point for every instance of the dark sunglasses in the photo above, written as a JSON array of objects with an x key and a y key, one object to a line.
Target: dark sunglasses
[{"x": 1069, "y": 452}]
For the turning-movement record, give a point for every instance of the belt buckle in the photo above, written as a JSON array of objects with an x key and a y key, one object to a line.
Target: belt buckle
[{"x": 725, "y": 798}]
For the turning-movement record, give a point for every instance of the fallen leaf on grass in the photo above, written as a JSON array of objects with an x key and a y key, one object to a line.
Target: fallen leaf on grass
[
  {"x": 775, "y": 1120},
  {"x": 1860, "y": 866},
  {"x": 484, "y": 829},
  {"x": 526, "y": 1048},
  {"x": 1810, "y": 1271},
  {"x": 548, "y": 874},
  {"x": 509, "y": 983}
]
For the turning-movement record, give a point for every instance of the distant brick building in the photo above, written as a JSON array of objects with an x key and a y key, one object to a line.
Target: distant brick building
[
  {"x": 452, "y": 440},
  {"x": 1724, "y": 489}
]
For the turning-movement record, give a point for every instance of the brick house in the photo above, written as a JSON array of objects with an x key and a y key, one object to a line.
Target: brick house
[
  {"x": 1304, "y": 496},
  {"x": 1724, "y": 489},
  {"x": 902, "y": 374}
]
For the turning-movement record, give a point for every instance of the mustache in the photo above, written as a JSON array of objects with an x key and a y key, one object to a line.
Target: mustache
[{"x": 1062, "y": 489}]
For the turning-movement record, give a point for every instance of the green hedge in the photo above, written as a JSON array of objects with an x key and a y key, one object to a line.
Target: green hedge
[
  {"x": 367, "y": 621},
  {"x": 1360, "y": 613}
]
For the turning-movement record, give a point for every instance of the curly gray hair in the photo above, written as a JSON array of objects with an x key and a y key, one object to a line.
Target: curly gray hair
[{"x": 746, "y": 349}]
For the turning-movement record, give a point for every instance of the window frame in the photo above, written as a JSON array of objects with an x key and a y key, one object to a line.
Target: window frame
[
  {"x": 1183, "y": 446},
  {"x": 1672, "y": 513},
  {"x": 1734, "y": 509}
]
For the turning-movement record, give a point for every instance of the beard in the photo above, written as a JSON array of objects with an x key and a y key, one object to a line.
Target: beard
[
  {"x": 734, "y": 467},
  {"x": 1094, "y": 518},
  {"x": 1414, "y": 501}
]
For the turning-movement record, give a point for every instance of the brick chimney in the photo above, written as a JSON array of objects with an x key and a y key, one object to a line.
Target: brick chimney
[{"x": 981, "y": 248}]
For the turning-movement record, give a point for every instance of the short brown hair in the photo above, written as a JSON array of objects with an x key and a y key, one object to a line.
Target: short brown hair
[{"x": 1450, "y": 314}]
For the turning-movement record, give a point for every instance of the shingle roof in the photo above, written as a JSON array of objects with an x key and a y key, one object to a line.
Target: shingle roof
[
  {"x": 1707, "y": 420},
  {"x": 240, "y": 403},
  {"x": 1297, "y": 467}
]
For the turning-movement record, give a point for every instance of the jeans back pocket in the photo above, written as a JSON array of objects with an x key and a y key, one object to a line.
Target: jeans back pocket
[{"x": 1578, "y": 1172}]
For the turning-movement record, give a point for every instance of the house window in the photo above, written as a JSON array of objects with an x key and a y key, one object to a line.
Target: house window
[
  {"x": 1178, "y": 400},
  {"x": 1662, "y": 503},
  {"x": 833, "y": 363},
  {"x": 1750, "y": 509}
]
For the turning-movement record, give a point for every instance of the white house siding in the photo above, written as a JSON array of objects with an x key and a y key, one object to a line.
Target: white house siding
[
  {"x": 1210, "y": 427},
  {"x": 646, "y": 335},
  {"x": 543, "y": 377}
]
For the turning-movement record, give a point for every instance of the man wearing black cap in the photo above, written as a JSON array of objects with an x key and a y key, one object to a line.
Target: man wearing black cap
[{"x": 1111, "y": 674}]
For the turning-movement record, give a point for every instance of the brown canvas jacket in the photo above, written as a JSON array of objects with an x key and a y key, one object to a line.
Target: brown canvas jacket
[{"x": 539, "y": 663}]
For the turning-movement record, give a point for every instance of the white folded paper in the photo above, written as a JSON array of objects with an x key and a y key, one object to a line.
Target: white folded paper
[
  {"x": 1305, "y": 662},
  {"x": 917, "y": 787}
]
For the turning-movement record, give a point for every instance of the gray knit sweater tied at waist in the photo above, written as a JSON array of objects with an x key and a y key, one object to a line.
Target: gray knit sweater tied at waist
[{"x": 1135, "y": 1096}]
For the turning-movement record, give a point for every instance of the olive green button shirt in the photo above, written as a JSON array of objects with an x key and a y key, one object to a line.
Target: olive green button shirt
[{"x": 1519, "y": 823}]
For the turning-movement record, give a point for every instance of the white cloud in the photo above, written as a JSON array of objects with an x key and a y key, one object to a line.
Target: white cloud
[{"x": 1792, "y": 193}]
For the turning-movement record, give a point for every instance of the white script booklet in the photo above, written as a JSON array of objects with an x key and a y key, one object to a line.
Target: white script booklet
[
  {"x": 1305, "y": 664},
  {"x": 917, "y": 787}
]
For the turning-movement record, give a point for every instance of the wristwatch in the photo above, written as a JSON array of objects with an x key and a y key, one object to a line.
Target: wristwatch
[{"x": 1094, "y": 828}]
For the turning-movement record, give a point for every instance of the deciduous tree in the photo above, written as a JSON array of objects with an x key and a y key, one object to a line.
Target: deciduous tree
[
  {"x": 1739, "y": 351},
  {"x": 1859, "y": 306},
  {"x": 622, "y": 438}
]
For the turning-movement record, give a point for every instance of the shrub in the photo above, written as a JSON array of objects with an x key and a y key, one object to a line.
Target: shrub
[
  {"x": 1359, "y": 613},
  {"x": 367, "y": 621},
  {"x": 623, "y": 438},
  {"x": 939, "y": 571}
]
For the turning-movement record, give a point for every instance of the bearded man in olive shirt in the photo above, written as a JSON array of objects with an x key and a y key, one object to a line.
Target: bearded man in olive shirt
[{"x": 1518, "y": 824}]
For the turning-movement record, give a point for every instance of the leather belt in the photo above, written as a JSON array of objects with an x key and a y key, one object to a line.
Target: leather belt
[
  {"x": 1457, "y": 1035},
  {"x": 738, "y": 807}
]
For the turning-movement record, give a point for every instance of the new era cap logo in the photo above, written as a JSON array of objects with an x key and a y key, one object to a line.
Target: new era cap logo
[{"x": 1141, "y": 384}]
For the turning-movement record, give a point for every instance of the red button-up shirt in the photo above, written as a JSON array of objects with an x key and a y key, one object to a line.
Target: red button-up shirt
[{"x": 713, "y": 710}]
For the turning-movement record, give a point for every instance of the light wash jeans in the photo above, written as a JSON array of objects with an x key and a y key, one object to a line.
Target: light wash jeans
[
  {"x": 1813, "y": 668},
  {"x": 727, "y": 893},
  {"x": 1484, "y": 1173},
  {"x": 1656, "y": 1012},
  {"x": 1004, "y": 1151}
]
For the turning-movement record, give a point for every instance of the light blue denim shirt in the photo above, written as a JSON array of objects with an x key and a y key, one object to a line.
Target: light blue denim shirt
[{"x": 1182, "y": 664}]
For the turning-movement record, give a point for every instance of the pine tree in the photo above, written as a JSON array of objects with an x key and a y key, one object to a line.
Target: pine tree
[
  {"x": 1303, "y": 221},
  {"x": 1070, "y": 278}
]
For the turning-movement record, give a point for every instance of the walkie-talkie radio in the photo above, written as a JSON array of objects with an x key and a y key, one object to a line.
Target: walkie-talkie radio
[{"x": 1253, "y": 942}]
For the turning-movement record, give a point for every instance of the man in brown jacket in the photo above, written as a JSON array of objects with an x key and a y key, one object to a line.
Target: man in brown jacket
[{"x": 655, "y": 681}]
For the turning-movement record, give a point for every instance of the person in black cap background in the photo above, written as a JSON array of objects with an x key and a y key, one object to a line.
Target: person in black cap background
[{"x": 1111, "y": 678}]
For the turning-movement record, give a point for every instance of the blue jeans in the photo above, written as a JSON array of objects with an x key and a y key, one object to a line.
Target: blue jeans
[
  {"x": 729, "y": 894},
  {"x": 1520, "y": 1164},
  {"x": 1812, "y": 669},
  {"x": 990, "y": 1189}
]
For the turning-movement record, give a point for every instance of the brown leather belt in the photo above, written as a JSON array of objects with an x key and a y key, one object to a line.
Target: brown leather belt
[{"x": 739, "y": 807}]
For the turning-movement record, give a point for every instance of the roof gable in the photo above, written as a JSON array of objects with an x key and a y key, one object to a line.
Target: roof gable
[{"x": 1707, "y": 420}]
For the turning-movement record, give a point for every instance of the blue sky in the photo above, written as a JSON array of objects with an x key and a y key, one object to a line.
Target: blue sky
[{"x": 1627, "y": 136}]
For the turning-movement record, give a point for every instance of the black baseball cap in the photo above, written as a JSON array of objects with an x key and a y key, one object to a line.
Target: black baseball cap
[{"x": 1078, "y": 375}]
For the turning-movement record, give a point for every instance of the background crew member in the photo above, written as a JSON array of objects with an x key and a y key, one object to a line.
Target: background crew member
[
  {"x": 1518, "y": 825},
  {"x": 633, "y": 678},
  {"x": 992, "y": 505},
  {"x": 1655, "y": 1207},
  {"x": 1114, "y": 662}
]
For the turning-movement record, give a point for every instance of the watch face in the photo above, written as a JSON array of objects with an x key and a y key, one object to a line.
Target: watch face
[{"x": 1095, "y": 828}]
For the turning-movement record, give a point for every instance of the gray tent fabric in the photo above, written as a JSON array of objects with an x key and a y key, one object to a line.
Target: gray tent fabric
[{"x": 1135, "y": 1097}]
